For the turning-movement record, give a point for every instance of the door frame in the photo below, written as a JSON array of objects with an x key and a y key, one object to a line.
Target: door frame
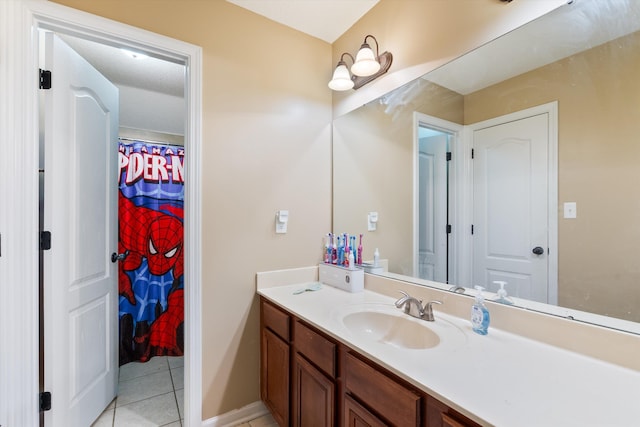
[
  {"x": 19, "y": 144},
  {"x": 551, "y": 109},
  {"x": 456, "y": 203}
]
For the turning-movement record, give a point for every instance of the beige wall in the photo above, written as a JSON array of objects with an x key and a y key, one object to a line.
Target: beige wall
[
  {"x": 266, "y": 142},
  {"x": 266, "y": 146},
  {"x": 598, "y": 94}
]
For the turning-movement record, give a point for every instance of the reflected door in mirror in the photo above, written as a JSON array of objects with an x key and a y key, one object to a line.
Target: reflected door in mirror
[
  {"x": 433, "y": 207},
  {"x": 510, "y": 206}
]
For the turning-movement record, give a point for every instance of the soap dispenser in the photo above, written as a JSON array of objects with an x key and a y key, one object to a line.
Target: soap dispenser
[
  {"x": 480, "y": 314},
  {"x": 502, "y": 293}
]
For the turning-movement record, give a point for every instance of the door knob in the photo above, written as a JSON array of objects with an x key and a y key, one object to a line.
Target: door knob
[
  {"x": 538, "y": 250},
  {"x": 118, "y": 257}
]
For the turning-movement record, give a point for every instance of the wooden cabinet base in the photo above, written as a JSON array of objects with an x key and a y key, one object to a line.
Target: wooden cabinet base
[{"x": 308, "y": 379}]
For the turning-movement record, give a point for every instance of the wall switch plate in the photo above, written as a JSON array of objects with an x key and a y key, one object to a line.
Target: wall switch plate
[
  {"x": 282, "y": 219},
  {"x": 570, "y": 210},
  {"x": 372, "y": 221}
]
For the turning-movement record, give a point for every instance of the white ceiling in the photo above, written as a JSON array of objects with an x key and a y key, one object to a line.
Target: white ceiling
[
  {"x": 146, "y": 73},
  {"x": 324, "y": 19}
]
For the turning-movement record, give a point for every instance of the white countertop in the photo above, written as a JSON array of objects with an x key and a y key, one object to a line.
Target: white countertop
[{"x": 500, "y": 379}]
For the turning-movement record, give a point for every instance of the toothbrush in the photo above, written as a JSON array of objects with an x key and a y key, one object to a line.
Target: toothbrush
[
  {"x": 334, "y": 251},
  {"x": 347, "y": 250},
  {"x": 340, "y": 251},
  {"x": 353, "y": 248},
  {"x": 327, "y": 250},
  {"x": 359, "y": 262}
]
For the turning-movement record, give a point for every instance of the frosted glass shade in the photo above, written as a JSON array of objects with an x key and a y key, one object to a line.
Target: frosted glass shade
[
  {"x": 366, "y": 63},
  {"x": 341, "y": 78}
]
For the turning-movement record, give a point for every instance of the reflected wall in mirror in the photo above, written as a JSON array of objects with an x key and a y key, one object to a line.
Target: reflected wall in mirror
[{"x": 585, "y": 57}]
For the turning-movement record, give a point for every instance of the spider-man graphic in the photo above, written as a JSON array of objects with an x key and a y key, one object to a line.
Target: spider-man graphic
[
  {"x": 152, "y": 241},
  {"x": 151, "y": 282},
  {"x": 150, "y": 234}
]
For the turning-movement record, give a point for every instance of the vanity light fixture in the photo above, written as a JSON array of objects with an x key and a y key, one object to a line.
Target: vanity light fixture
[{"x": 366, "y": 67}]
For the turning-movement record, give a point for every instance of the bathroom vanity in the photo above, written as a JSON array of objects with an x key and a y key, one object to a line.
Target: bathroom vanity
[
  {"x": 309, "y": 378},
  {"x": 327, "y": 359}
]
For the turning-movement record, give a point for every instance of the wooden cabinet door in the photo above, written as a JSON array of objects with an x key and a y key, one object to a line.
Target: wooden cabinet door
[
  {"x": 313, "y": 396},
  {"x": 357, "y": 416},
  {"x": 274, "y": 376}
]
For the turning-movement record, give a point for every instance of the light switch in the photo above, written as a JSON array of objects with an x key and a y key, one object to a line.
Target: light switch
[
  {"x": 372, "y": 221},
  {"x": 570, "y": 210},
  {"x": 282, "y": 219}
]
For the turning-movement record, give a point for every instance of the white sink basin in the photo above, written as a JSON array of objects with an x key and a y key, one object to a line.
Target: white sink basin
[{"x": 397, "y": 330}]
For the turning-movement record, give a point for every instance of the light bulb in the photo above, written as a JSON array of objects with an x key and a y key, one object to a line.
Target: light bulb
[
  {"x": 366, "y": 63},
  {"x": 341, "y": 78}
]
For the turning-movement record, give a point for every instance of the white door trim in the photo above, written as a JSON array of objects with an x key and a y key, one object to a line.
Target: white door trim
[
  {"x": 455, "y": 169},
  {"x": 19, "y": 365},
  {"x": 551, "y": 109}
]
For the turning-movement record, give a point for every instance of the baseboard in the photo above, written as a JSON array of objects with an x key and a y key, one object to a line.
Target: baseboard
[{"x": 238, "y": 416}]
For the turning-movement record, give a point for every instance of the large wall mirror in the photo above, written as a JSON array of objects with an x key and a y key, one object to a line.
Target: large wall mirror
[{"x": 552, "y": 188}]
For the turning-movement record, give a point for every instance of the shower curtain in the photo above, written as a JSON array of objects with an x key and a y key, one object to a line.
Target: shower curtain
[{"x": 150, "y": 242}]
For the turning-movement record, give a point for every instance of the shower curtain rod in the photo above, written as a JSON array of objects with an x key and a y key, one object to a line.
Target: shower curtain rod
[{"x": 167, "y": 144}]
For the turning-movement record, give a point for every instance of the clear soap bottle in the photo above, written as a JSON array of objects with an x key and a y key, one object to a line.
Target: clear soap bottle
[{"x": 480, "y": 314}]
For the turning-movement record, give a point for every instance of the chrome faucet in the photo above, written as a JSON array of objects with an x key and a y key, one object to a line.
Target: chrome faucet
[{"x": 424, "y": 313}]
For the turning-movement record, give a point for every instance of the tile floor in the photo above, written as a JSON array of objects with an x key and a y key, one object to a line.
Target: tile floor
[
  {"x": 149, "y": 394},
  {"x": 152, "y": 394}
]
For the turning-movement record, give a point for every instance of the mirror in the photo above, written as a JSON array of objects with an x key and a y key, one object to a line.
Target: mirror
[{"x": 583, "y": 59}]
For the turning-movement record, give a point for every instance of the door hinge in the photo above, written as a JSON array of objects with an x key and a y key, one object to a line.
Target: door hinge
[
  {"x": 473, "y": 153},
  {"x": 45, "y": 79},
  {"x": 448, "y": 228},
  {"x": 471, "y": 228},
  {"x": 45, "y": 401},
  {"x": 448, "y": 155},
  {"x": 45, "y": 240}
]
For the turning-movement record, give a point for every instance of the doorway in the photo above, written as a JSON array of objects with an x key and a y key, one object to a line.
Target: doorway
[
  {"x": 436, "y": 153},
  {"x": 433, "y": 204},
  {"x": 22, "y": 20},
  {"x": 148, "y": 311}
]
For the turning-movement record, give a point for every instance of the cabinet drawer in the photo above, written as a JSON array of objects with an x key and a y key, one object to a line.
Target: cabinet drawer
[
  {"x": 399, "y": 405},
  {"x": 440, "y": 415},
  {"x": 315, "y": 348},
  {"x": 275, "y": 319}
]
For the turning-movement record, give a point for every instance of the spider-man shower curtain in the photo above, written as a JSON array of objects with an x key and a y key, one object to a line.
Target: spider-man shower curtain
[{"x": 150, "y": 280}]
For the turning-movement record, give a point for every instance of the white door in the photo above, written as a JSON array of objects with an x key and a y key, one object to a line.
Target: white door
[
  {"x": 510, "y": 240},
  {"x": 80, "y": 281},
  {"x": 432, "y": 208}
]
